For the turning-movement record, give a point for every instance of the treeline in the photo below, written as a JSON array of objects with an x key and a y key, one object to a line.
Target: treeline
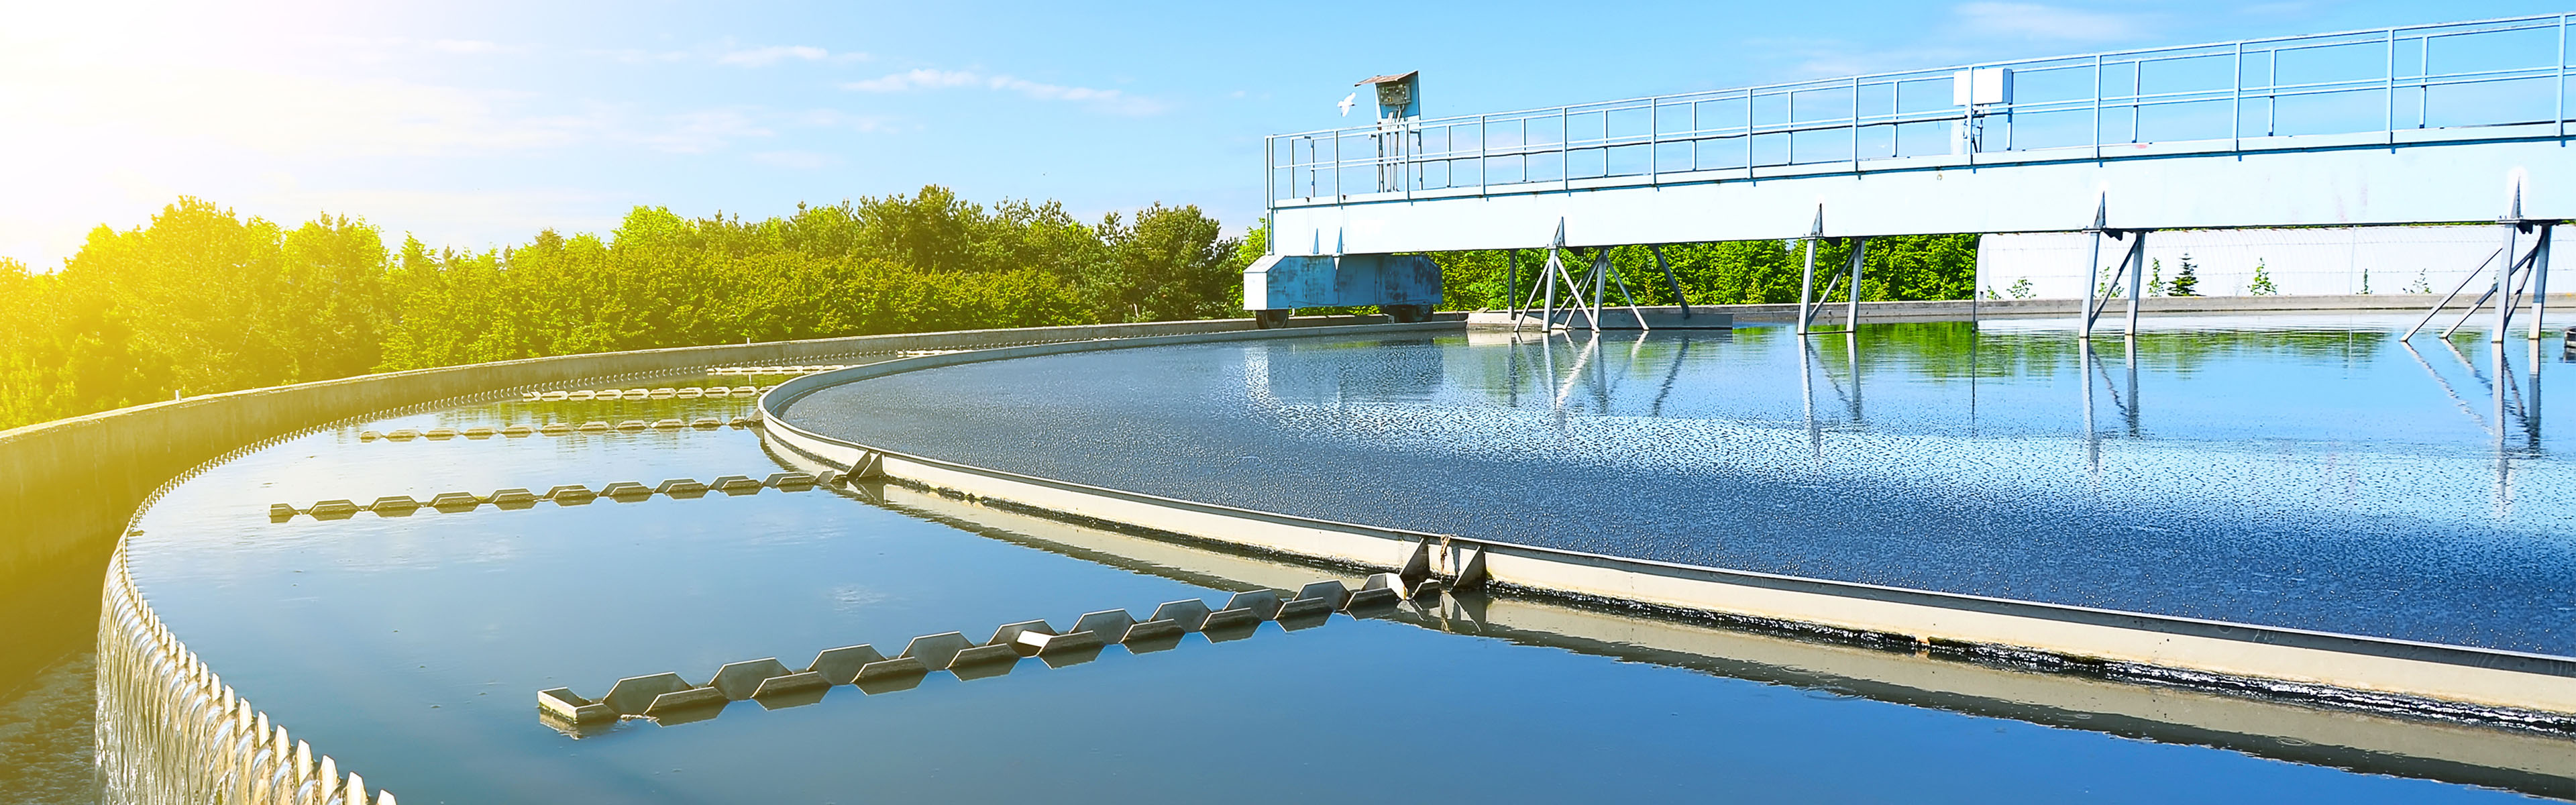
[
  {"x": 201, "y": 300},
  {"x": 1750, "y": 272}
]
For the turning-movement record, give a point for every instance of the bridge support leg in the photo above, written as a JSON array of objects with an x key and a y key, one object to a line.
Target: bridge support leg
[
  {"x": 2137, "y": 268},
  {"x": 1851, "y": 318},
  {"x": 2539, "y": 297},
  {"x": 1670, "y": 280},
  {"x": 2504, "y": 280},
  {"x": 2093, "y": 267},
  {"x": 1807, "y": 280}
]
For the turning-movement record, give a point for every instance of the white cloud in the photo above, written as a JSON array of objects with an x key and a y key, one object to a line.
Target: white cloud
[
  {"x": 916, "y": 79},
  {"x": 766, "y": 56},
  {"x": 2047, "y": 23},
  {"x": 1110, "y": 100}
]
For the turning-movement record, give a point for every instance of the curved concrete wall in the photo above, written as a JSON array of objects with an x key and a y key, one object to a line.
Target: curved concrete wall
[
  {"x": 167, "y": 729},
  {"x": 2452, "y": 681}
]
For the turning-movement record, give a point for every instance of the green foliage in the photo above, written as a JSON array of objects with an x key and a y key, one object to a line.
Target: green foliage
[
  {"x": 1734, "y": 272},
  {"x": 203, "y": 301},
  {"x": 2262, "y": 282},
  {"x": 2186, "y": 282}
]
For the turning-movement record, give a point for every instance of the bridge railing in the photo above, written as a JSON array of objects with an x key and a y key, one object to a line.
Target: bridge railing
[{"x": 2451, "y": 81}]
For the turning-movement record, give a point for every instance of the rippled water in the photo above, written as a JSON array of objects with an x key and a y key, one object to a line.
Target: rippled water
[
  {"x": 2299, "y": 471},
  {"x": 410, "y": 649}
]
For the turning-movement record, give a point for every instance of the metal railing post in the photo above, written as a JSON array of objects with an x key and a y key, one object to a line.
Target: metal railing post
[
  {"x": 1855, "y": 123},
  {"x": 2236, "y": 102},
  {"x": 2392, "y": 86},
  {"x": 1564, "y": 148},
  {"x": 2097, "y": 106}
]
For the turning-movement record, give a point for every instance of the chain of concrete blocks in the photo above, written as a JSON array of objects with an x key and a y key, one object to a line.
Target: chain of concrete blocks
[
  {"x": 664, "y": 393},
  {"x": 782, "y": 370},
  {"x": 668, "y": 698},
  {"x": 556, "y": 429},
  {"x": 565, "y": 495}
]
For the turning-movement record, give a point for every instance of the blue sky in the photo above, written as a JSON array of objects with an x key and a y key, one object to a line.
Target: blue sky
[{"x": 475, "y": 124}]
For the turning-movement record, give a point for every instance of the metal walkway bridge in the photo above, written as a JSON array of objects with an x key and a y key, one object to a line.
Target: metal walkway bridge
[{"x": 2438, "y": 123}]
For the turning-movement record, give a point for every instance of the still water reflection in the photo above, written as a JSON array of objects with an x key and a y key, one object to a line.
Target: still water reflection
[
  {"x": 410, "y": 648},
  {"x": 2308, "y": 472}
]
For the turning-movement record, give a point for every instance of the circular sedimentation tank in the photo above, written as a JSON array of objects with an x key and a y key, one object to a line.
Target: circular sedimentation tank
[{"x": 414, "y": 649}]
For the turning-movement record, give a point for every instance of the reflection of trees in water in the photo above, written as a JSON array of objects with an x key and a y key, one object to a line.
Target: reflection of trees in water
[{"x": 1958, "y": 350}]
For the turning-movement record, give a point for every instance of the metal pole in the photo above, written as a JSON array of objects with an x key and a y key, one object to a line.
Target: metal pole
[
  {"x": 1807, "y": 278},
  {"x": 1600, "y": 266},
  {"x": 1851, "y": 318},
  {"x": 2539, "y": 293},
  {"x": 2137, "y": 268},
  {"x": 2093, "y": 268},
  {"x": 2392, "y": 86},
  {"x": 2236, "y": 103},
  {"x": 1512, "y": 284},
  {"x": 2097, "y": 106},
  {"x": 2504, "y": 278},
  {"x": 1670, "y": 280},
  {"x": 2446, "y": 298}
]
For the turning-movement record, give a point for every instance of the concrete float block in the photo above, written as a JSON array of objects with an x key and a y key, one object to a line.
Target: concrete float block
[
  {"x": 735, "y": 485},
  {"x": 556, "y": 395},
  {"x": 707, "y": 424},
  {"x": 793, "y": 690},
  {"x": 570, "y": 495},
  {"x": 886, "y": 676},
  {"x": 394, "y": 506},
  {"x": 637, "y": 394},
  {"x": 562, "y": 703},
  {"x": 1153, "y": 630},
  {"x": 744, "y": 422},
  {"x": 794, "y": 481},
  {"x": 630, "y": 696},
  {"x": 1231, "y": 629},
  {"x": 479, "y": 432},
  {"x": 1110, "y": 624},
  {"x": 1152, "y": 636},
  {"x": 1264, "y": 604},
  {"x": 683, "y": 488},
  {"x": 453, "y": 502},
  {"x": 634, "y": 424},
  {"x": 334, "y": 509},
  {"x": 369, "y": 436},
  {"x": 936, "y": 651},
  {"x": 403, "y": 435},
  {"x": 514, "y": 499},
  {"x": 584, "y": 394},
  {"x": 827, "y": 478},
  {"x": 1332, "y": 591},
  {"x": 720, "y": 391},
  {"x": 626, "y": 491},
  {"x": 517, "y": 431},
  {"x": 694, "y": 704},
  {"x": 737, "y": 681},
  {"x": 982, "y": 662},
  {"x": 595, "y": 427},
  {"x": 1292, "y": 619},
  {"x": 555, "y": 428},
  {"x": 669, "y": 424},
  {"x": 746, "y": 390},
  {"x": 840, "y": 666},
  {"x": 1230, "y": 619},
  {"x": 1075, "y": 649},
  {"x": 532, "y": 396},
  {"x": 439, "y": 433},
  {"x": 664, "y": 392},
  {"x": 1378, "y": 595},
  {"x": 1009, "y": 634},
  {"x": 1187, "y": 613},
  {"x": 691, "y": 393},
  {"x": 1042, "y": 644},
  {"x": 280, "y": 512}
]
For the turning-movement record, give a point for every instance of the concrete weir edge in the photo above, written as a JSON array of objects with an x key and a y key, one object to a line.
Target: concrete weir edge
[{"x": 2505, "y": 688}]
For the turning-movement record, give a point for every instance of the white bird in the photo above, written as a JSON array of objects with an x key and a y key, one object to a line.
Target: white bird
[{"x": 1349, "y": 101}]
